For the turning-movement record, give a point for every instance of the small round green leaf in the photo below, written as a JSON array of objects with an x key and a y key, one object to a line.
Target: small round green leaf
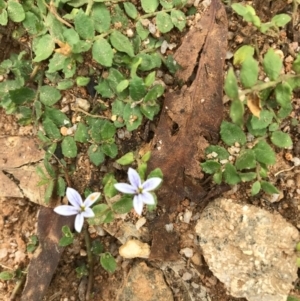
[
  {"x": 15, "y": 11},
  {"x": 178, "y": 19},
  {"x": 222, "y": 153},
  {"x": 84, "y": 25},
  {"x": 5, "y": 276},
  {"x": 149, "y": 6},
  {"x": 283, "y": 93},
  {"x": 230, "y": 174},
  {"x": 108, "y": 262},
  {"x": 272, "y": 64},
  {"x": 281, "y": 139},
  {"x": 268, "y": 187},
  {"x": 126, "y": 159},
  {"x": 264, "y": 120},
  {"x": 249, "y": 72},
  {"x": 230, "y": 86},
  {"x": 130, "y": 10},
  {"x": 81, "y": 134},
  {"x": 49, "y": 95},
  {"x": 102, "y": 52},
  {"x": 43, "y": 47},
  {"x": 255, "y": 188},
  {"x": 69, "y": 147},
  {"x": 242, "y": 54},
  {"x": 96, "y": 155},
  {"x": 210, "y": 166},
  {"x": 164, "y": 22},
  {"x": 231, "y": 133},
  {"x": 101, "y": 17},
  {"x": 264, "y": 153},
  {"x": 281, "y": 20},
  {"x": 124, "y": 205},
  {"x": 245, "y": 160},
  {"x": 121, "y": 43}
]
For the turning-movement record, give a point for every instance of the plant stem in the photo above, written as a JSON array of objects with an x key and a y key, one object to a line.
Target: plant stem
[
  {"x": 18, "y": 287},
  {"x": 263, "y": 86},
  {"x": 89, "y": 7},
  {"x": 90, "y": 263}
]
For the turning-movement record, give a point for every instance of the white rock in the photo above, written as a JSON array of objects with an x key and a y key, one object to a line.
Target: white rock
[
  {"x": 83, "y": 104},
  {"x": 249, "y": 249},
  {"x": 3, "y": 253},
  {"x": 140, "y": 223},
  {"x": 134, "y": 248},
  {"x": 187, "y": 252},
  {"x": 187, "y": 276},
  {"x": 187, "y": 216}
]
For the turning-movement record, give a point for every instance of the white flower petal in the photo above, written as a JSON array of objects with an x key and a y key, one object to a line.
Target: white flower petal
[
  {"x": 138, "y": 204},
  {"x": 91, "y": 199},
  {"x": 74, "y": 197},
  {"x": 147, "y": 198},
  {"x": 66, "y": 210},
  {"x": 134, "y": 178},
  {"x": 88, "y": 212},
  {"x": 125, "y": 188},
  {"x": 79, "y": 220},
  {"x": 151, "y": 184}
]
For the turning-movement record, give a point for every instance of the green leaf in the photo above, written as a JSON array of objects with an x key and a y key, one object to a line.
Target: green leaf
[
  {"x": 242, "y": 54},
  {"x": 32, "y": 23},
  {"x": 264, "y": 153},
  {"x": 284, "y": 112},
  {"x": 146, "y": 157},
  {"x": 263, "y": 121},
  {"x": 249, "y": 72},
  {"x": 15, "y": 11},
  {"x": 82, "y": 81},
  {"x": 109, "y": 182},
  {"x": 132, "y": 117},
  {"x": 255, "y": 188},
  {"x": 65, "y": 84},
  {"x": 51, "y": 129},
  {"x": 3, "y": 17},
  {"x": 110, "y": 149},
  {"x": 292, "y": 298},
  {"x": 49, "y": 95},
  {"x": 281, "y": 20},
  {"x": 167, "y": 4},
  {"x": 122, "y": 85},
  {"x": 210, "y": 166},
  {"x": 141, "y": 31},
  {"x": 150, "y": 78},
  {"x": 268, "y": 187},
  {"x": 230, "y": 86},
  {"x": 230, "y": 174},
  {"x": 130, "y": 10},
  {"x": 245, "y": 160},
  {"x": 222, "y": 153},
  {"x": 97, "y": 247},
  {"x": 69, "y": 147},
  {"x": 272, "y": 64},
  {"x": 273, "y": 127},
  {"x": 43, "y": 47},
  {"x": 296, "y": 64},
  {"x": 49, "y": 191},
  {"x": 283, "y": 93},
  {"x": 61, "y": 187},
  {"x": 107, "y": 130},
  {"x": 108, "y": 262},
  {"x": 5, "y": 276},
  {"x": 84, "y": 25},
  {"x": 217, "y": 177},
  {"x": 102, "y": 52},
  {"x": 102, "y": 214},
  {"x": 137, "y": 88},
  {"x": 149, "y": 61},
  {"x": 178, "y": 19},
  {"x": 58, "y": 117},
  {"x": 164, "y": 22},
  {"x": 65, "y": 241},
  {"x": 149, "y": 6},
  {"x": 124, "y": 205},
  {"x": 81, "y": 134},
  {"x": 96, "y": 155},
  {"x": 247, "y": 176},
  {"x": 22, "y": 95},
  {"x": 156, "y": 173},
  {"x": 255, "y": 132},
  {"x": 231, "y": 133},
  {"x": 121, "y": 43},
  {"x": 101, "y": 17},
  {"x": 237, "y": 112},
  {"x": 56, "y": 62},
  {"x": 126, "y": 159},
  {"x": 281, "y": 139}
]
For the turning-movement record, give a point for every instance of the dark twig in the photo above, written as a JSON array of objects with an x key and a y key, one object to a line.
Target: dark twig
[{"x": 90, "y": 264}]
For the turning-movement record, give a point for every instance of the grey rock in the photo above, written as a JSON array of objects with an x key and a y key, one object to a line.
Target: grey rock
[{"x": 249, "y": 249}]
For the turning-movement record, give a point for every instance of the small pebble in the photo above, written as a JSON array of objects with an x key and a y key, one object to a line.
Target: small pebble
[
  {"x": 187, "y": 276},
  {"x": 140, "y": 223},
  {"x": 187, "y": 216},
  {"x": 187, "y": 252},
  {"x": 83, "y": 104}
]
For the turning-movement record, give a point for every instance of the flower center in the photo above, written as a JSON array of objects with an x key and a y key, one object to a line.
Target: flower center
[
  {"x": 139, "y": 190},
  {"x": 82, "y": 208}
]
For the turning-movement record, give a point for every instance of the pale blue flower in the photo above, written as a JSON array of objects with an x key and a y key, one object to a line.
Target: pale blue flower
[
  {"x": 78, "y": 207},
  {"x": 140, "y": 190}
]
